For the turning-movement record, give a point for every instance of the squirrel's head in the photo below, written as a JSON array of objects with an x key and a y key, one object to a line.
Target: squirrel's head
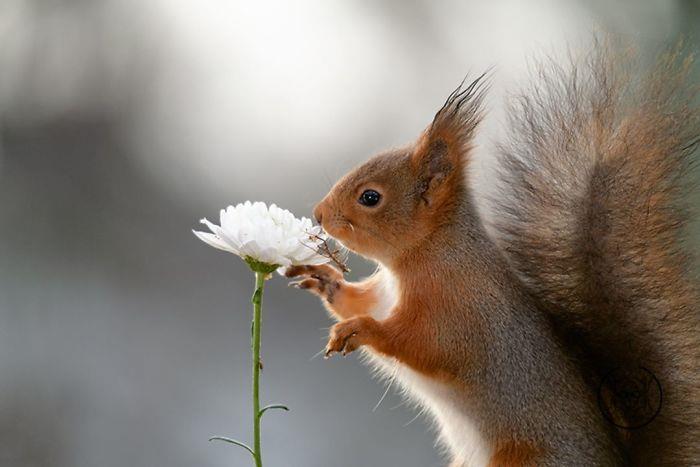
[{"x": 390, "y": 204}]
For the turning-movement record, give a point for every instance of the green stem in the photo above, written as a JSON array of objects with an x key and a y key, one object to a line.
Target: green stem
[{"x": 257, "y": 318}]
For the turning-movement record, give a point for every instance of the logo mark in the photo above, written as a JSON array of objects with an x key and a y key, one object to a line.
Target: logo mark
[{"x": 630, "y": 398}]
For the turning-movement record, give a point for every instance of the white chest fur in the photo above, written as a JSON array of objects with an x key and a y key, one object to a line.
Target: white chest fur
[{"x": 457, "y": 432}]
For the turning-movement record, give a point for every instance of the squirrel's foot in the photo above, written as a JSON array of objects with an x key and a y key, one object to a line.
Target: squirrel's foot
[
  {"x": 323, "y": 280},
  {"x": 347, "y": 336}
]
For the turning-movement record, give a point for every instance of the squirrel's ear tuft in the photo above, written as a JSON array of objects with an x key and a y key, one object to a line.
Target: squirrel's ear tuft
[{"x": 443, "y": 150}]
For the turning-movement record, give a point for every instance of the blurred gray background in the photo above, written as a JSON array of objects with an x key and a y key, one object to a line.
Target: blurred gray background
[{"x": 124, "y": 341}]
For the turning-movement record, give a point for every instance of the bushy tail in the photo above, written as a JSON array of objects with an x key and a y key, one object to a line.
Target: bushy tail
[{"x": 592, "y": 212}]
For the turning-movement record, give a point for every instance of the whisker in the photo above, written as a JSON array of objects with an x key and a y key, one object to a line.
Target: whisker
[
  {"x": 413, "y": 419},
  {"x": 318, "y": 354},
  {"x": 329, "y": 181},
  {"x": 400, "y": 404},
  {"x": 388, "y": 386}
]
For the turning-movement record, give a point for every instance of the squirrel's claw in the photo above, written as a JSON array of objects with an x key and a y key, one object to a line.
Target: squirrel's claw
[
  {"x": 323, "y": 280},
  {"x": 306, "y": 284},
  {"x": 343, "y": 339},
  {"x": 322, "y": 271}
]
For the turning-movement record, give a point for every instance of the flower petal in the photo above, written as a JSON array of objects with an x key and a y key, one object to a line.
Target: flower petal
[
  {"x": 270, "y": 235},
  {"x": 213, "y": 240},
  {"x": 213, "y": 227}
]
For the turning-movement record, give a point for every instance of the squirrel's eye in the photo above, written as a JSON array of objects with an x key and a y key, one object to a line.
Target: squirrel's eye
[{"x": 369, "y": 198}]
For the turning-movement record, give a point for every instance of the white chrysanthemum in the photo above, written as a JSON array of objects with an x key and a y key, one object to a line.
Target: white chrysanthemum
[{"x": 272, "y": 236}]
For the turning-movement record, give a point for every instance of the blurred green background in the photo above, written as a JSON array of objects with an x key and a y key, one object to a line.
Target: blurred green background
[{"x": 123, "y": 339}]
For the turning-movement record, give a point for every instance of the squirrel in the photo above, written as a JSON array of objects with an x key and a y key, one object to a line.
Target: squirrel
[{"x": 507, "y": 332}]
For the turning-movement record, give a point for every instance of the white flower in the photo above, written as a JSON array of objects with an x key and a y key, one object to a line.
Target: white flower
[{"x": 272, "y": 236}]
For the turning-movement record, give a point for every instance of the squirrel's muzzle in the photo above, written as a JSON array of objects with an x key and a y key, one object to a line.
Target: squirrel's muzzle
[{"x": 318, "y": 213}]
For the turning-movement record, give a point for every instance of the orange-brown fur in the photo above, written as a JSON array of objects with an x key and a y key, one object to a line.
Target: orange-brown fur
[
  {"x": 586, "y": 272},
  {"x": 510, "y": 454},
  {"x": 344, "y": 300}
]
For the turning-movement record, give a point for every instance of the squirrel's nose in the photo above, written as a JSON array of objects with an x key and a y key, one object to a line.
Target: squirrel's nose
[{"x": 318, "y": 213}]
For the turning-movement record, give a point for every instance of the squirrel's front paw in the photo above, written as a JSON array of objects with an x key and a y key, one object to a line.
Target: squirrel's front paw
[
  {"x": 350, "y": 334},
  {"x": 323, "y": 280}
]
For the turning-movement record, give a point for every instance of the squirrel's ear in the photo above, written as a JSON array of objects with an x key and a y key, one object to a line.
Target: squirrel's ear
[{"x": 442, "y": 151}]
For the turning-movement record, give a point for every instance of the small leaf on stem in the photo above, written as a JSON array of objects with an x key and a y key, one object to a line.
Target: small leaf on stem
[
  {"x": 273, "y": 406},
  {"x": 233, "y": 441}
]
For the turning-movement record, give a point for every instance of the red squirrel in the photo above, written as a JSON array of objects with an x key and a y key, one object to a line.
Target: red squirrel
[{"x": 508, "y": 336}]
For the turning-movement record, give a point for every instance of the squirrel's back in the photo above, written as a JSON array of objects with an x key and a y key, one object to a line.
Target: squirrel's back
[{"x": 591, "y": 216}]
